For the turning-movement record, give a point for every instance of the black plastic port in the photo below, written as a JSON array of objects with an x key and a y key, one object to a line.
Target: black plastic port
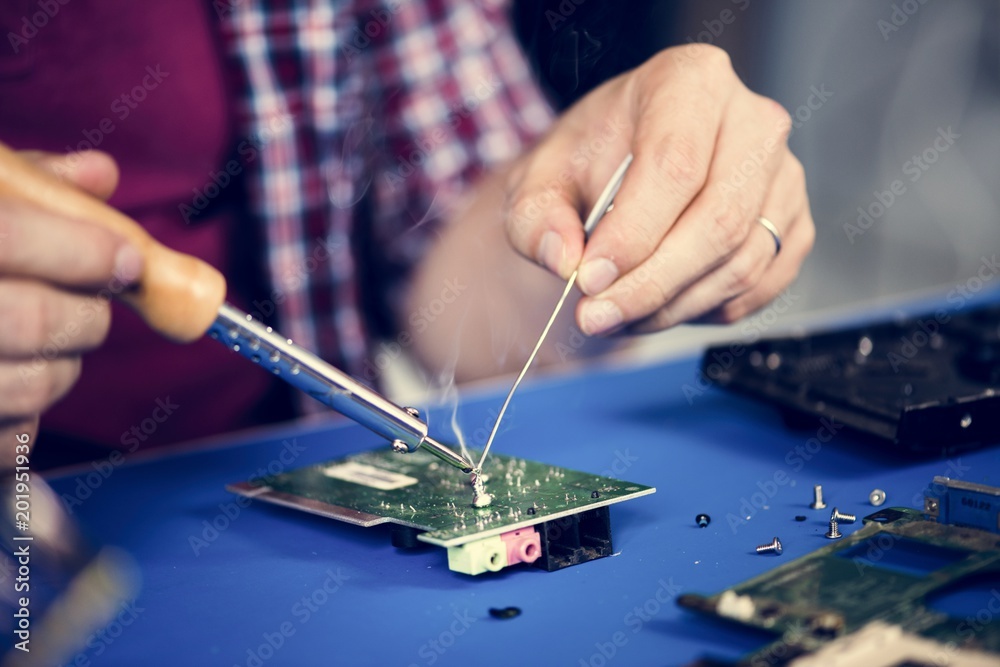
[{"x": 575, "y": 539}]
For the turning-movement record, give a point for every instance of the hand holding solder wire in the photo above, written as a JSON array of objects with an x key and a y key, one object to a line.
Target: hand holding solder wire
[{"x": 713, "y": 219}]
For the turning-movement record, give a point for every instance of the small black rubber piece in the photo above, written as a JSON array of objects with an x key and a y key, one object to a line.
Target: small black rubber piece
[
  {"x": 800, "y": 517},
  {"x": 703, "y": 520},
  {"x": 505, "y": 613}
]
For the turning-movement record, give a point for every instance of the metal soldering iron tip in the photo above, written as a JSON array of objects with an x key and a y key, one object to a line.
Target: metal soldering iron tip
[{"x": 447, "y": 455}]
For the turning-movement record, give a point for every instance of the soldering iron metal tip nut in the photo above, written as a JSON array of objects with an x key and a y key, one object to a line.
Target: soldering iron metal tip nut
[{"x": 446, "y": 454}]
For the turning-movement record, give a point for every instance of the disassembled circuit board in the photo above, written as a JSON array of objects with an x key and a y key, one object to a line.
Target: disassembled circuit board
[
  {"x": 924, "y": 385},
  {"x": 545, "y": 515},
  {"x": 961, "y": 503},
  {"x": 869, "y": 594}
]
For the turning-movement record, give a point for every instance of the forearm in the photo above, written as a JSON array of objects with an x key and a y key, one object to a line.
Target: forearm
[{"x": 499, "y": 301}]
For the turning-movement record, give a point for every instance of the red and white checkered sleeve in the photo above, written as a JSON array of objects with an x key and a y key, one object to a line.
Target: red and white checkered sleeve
[{"x": 456, "y": 96}]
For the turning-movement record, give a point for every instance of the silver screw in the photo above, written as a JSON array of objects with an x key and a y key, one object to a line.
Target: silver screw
[
  {"x": 399, "y": 447},
  {"x": 834, "y": 532},
  {"x": 817, "y": 503},
  {"x": 413, "y": 412},
  {"x": 837, "y": 515},
  {"x": 773, "y": 546},
  {"x": 876, "y": 497}
]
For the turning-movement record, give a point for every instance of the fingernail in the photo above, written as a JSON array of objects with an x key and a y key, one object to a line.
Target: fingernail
[
  {"x": 551, "y": 252},
  {"x": 599, "y": 316},
  {"x": 128, "y": 264},
  {"x": 597, "y": 276}
]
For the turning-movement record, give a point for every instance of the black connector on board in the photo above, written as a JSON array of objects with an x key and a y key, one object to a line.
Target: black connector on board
[{"x": 575, "y": 539}]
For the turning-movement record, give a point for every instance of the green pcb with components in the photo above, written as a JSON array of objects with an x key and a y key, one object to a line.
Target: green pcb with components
[
  {"x": 886, "y": 571},
  {"x": 419, "y": 491}
]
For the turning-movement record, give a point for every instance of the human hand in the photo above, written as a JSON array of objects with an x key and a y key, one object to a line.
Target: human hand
[
  {"x": 56, "y": 277},
  {"x": 683, "y": 241}
]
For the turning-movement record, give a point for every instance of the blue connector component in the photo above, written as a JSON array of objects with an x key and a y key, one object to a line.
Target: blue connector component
[{"x": 959, "y": 503}]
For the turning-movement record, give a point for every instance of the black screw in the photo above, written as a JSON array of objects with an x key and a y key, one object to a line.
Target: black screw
[
  {"x": 595, "y": 494},
  {"x": 703, "y": 520},
  {"x": 531, "y": 510}
]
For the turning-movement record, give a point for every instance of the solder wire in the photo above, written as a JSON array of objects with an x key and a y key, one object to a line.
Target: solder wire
[
  {"x": 601, "y": 207},
  {"x": 527, "y": 364}
]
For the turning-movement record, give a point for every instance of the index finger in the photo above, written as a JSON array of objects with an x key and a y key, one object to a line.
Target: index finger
[
  {"x": 35, "y": 243},
  {"x": 676, "y": 130}
]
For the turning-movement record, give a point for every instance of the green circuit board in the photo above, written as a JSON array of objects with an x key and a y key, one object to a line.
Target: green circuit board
[
  {"x": 419, "y": 491},
  {"x": 886, "y": 571}
]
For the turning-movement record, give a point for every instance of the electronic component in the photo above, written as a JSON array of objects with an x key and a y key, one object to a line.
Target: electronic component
[
  {"x": 817, "y": 503},
  {"x": 478, "y": 556},
  {"x": 546, "y": 516},
  {"x": 774, "y": 547},
  {"x": 837, "y": 515},
  {"x": 926, "y": 385},
  {"x": 888, "y": 571},
  {"x": 960, "y": 503},
  {"x": 879, "y": 644},
  {"x": 497, "y": 552},
  {"x": 523, "y": 546}
]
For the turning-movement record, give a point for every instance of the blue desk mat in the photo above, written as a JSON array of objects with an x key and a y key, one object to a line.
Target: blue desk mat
[{"x": 262, "y": 585}]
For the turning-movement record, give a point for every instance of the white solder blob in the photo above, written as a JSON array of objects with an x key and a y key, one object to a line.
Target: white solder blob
[{"x": 479, "y": 496}]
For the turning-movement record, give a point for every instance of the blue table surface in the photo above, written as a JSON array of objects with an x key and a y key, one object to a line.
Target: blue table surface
[{"x": 264, "y": 585}]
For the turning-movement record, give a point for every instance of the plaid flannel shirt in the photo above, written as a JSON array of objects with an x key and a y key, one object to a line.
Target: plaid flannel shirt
[{"x": 367, "y": 117}]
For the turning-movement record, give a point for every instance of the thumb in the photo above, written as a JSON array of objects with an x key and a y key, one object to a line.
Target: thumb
[{"x": 94, "y": 172}]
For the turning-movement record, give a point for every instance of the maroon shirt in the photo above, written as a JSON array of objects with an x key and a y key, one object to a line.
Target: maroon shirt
[{"x": 145, "y": 82}]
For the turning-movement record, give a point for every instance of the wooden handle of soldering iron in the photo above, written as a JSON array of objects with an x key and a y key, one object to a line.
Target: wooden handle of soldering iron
[{"x": 178, "y": 295}]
